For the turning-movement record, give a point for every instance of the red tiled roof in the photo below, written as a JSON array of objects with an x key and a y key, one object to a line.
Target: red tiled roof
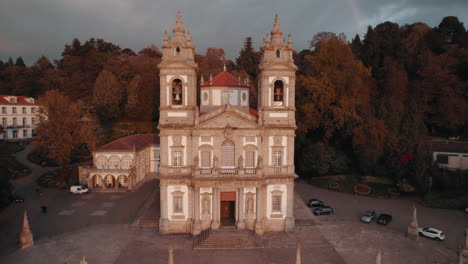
[
  {"x": 20, "y": 100},
  {"x": 127, "y": 143},
  {"x": 225, "y": 79},
  {"x": 253, "y": 111}
]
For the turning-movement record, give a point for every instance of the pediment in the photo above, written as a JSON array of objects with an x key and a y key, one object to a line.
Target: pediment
[
  {"x": 280, "y": 66},
  {"x": 228, "y": 118}
]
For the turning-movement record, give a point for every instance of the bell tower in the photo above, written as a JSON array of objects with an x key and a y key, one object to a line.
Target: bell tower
[
  {"x": 177, "y": 73},
  {"x": 277, "y": 80}
]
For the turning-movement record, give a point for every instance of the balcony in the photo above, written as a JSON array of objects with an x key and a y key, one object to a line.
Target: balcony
[{"x": 211, "y": 172}]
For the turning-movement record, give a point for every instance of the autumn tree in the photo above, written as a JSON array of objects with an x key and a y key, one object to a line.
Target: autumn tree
[
  {"x": 62, "y": 126},
  {"x": 133, "y": 103},
  {"x": 108, "y": 96},
  {"x": 330, "y": 97}
]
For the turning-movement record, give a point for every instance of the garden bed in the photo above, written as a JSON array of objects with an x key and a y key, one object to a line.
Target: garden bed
[
  {"x": 54, "y": 178},
  {"x": 7, "y": 148},
  {"x": 347, "y": 183},
  {"x": 15, "y": 168}
]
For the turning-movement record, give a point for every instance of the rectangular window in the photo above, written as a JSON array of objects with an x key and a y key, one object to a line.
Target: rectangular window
[
  {"x": 33, "y": 121},
  {"x": 4, "y": 122},
  {"x": 250, "y": 159},
  {"x": 24, "y": 121},
  {"x": 14, "y": 122},
  {"x": 24, "y": 110},
  {"x": 277, "y": 158},
  {"x": 442, "y": 159},
  {"x": 206, "y": 159},
  {"x": 178, "y": 204},
  {"x": 25, "y": 133},
  {"x": 276, "y": 203},
  {"x": 15, "y": 134},
  {"x": 14, "y": 110},
  {"x": 177, "y": 158},
  {"x": 33, "y": 110},
  {"x": 4, "y": 110}
]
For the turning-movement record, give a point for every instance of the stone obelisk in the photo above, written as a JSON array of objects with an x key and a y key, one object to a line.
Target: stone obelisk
[
  {"x": 413, "y": 228},
  {"x": 378, "y": 258},
  {"x": 171, "y": 256},
  {"x": 463, "y": 259},
  {"x": 298, "y": 252},
  {"x": 26, "y": 236}
]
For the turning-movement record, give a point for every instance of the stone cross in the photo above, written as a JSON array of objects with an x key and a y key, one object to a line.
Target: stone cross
[
  {"x": 413, "y": 228},
  {"x": 171, "y": 256},
  {"x": 298, "y": 252},
  {"x": 26, "y": 236}
]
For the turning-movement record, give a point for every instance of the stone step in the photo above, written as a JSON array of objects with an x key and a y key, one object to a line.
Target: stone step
[
  {"x": 304, "y": 222},
  {"x": 145, "y": 224},
  {"x": 227, "y": 239}
]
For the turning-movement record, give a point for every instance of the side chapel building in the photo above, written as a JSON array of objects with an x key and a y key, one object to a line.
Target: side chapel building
[{"x": 223, "y": 163}]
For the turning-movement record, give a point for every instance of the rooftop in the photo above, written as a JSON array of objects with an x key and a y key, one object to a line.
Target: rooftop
[
  {"x": 225, "y": 79},
  {"x": 129, "y": 143},
  {"x": 20, "y": 100}
]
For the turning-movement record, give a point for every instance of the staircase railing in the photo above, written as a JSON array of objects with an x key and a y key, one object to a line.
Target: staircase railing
[{"x": 198, "y": 239}]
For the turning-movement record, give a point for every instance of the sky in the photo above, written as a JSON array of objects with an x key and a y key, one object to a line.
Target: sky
[{"x": 32, "y": 28}]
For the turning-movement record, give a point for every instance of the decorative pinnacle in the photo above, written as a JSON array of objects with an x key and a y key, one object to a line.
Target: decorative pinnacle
[
  {"x": 179, "y": 26},
  {"x": 276, "y": 28}
]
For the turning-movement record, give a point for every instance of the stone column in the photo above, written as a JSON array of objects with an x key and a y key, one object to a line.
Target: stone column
[
  {"x": 163, "y": 221},
  {"x": 289, "y": 221},
  {"x": 241, "y": 210},
  {"x": 116, "y": 183},
  {"x": 259, "y": 221},
  {"x": 196, "y": 228},
  {"x": 215, "y": 223},
  {"x": 413, "y": 228}
]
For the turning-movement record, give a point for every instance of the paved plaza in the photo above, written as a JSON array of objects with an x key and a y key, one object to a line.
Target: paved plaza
[{"x": 99, "y": 226}]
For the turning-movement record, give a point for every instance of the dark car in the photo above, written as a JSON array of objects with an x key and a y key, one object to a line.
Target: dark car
[
  {"x": 315, "y": 203},
  {"x": 324, "y": 210},
  {"x": 384, "y": 219},
  {"x": 17, "y": 199}
]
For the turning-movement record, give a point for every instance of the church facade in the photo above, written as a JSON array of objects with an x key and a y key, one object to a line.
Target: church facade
[{"x": 223, "y": 163}]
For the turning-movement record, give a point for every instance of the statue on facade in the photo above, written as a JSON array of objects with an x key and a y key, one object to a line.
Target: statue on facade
[
  {"x": 249, "y": 204},
  {"x": 260, "y": 162},
  {"x": 195, "y": 162},
  {"x": 240, "y": 163},
  {"x": 206, "y": 205},
  {"x": 215, "y": 162}
]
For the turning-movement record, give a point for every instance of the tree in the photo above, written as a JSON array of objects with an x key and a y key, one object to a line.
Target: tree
[
  {"x": 452, "y": 30},
  {"x": 20, "y": 62},
  {"x": 132, "y": 106},
  {"x": 60, "y": 129},
  {"x": 330, "y": 97},
  {"x": 108, "y": 96},
  {"x": 249, "y": 59}
]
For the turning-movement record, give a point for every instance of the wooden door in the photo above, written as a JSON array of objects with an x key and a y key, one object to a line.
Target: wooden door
[{"x": 225, "y": 210}]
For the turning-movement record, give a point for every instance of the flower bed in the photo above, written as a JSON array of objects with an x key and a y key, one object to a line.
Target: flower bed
[{"x": 362, "y": 189}]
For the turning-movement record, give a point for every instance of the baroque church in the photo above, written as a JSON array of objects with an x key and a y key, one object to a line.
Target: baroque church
[{"x": 221, "y": 162}]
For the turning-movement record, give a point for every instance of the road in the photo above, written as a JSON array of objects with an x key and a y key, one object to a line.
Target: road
[
  {"x": 66, "y": 212},
  {"x": 349, "y": 207}
]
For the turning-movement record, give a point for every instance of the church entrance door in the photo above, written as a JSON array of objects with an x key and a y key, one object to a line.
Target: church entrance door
[{"x": 228, "y": 208}]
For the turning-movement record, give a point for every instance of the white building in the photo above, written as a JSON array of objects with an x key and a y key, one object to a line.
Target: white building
[
  {"x": 122, "y": 163},
  {"x": 449, "y": 154},
  {"x": 17, "y": 116}
]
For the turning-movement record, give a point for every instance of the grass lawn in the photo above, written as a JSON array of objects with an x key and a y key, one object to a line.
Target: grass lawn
[
  {"x": 346, "y": 183},
  {"x": 54, "y": 178},
  {"x": 454, "y": 199},
  {"x": 7, "y": 148},
  {"x": 14, "y": 167}
]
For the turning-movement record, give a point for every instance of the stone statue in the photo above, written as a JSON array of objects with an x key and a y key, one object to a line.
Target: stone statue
[
  {"x": 249, "y": 204},
  {"x": 215, "y": 162},
  {"x": 413, "y": 228},
  {"x": 197, "y": 114},
  {"x": 195, "y": 162},
  {"x": 83, "y": 260},
  {"x": 206, "y": 205},
  {"x": 260, "y": 162},
  {"x": 240, "y": 163},
  {"x": 26, "y": 236}
]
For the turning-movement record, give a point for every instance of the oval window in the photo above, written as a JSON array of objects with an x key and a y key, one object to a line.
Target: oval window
[
  {"x": 205, "y": 96},
  {"x": 244, "y": 97}
]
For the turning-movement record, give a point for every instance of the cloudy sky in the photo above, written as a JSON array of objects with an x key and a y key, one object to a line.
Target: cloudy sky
[{"x": 31, "y": 28}]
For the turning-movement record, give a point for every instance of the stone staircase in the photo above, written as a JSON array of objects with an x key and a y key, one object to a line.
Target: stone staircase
[
  {"x": 228, "y": 238},
  {"x": 150, "y": 224},
  {"x": 304, "y": 222}
]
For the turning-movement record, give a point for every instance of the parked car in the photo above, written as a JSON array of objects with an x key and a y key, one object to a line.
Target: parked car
[
  {"x": 78, "y": 189},
  {"x": 368, "y": 216},
  {"x": 384, "y": 219},
  {"x": 17, "y": 199},
  {"x": 324, "y": 210},
  {"x": 432, "y": 233},
  {"x": 315, "y": 203}
]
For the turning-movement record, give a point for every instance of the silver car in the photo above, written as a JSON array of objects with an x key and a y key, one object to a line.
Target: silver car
[{"x": 368, "y": 216}]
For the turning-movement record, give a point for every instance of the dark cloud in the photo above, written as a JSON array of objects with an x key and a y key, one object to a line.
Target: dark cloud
[{"x": 32, "y": 28}]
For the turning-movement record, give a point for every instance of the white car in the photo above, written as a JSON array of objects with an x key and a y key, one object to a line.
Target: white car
[
  {"x": 78, "y": 189},
  {"x": 432, "y": 233}
]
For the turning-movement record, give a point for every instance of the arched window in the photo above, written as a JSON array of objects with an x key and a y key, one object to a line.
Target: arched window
[
  {"x": 176, "y": 92},
  {"x": 101, "y": 162},
  {"x": 114, "y": 162},
  {"x": 228, "y": 154},
  {"x": 126, "y": 162},
  {"x": 278, "y": 92},
  {"x": 278, "y": 53},
  {"x": 177, "y": 51}
]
